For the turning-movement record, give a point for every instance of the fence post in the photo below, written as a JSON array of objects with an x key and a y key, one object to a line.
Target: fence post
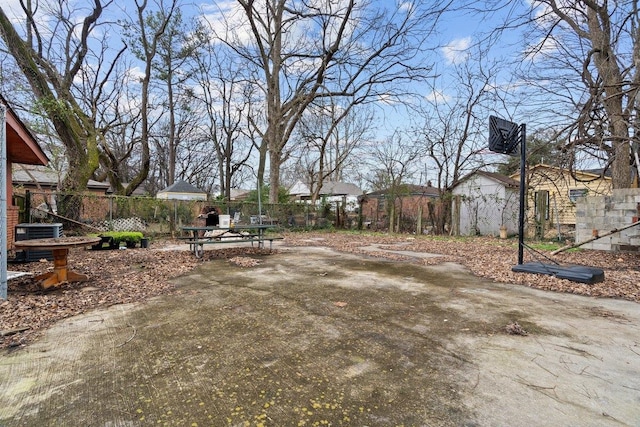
[
  {"x": 455, "y": 215},
  {"x": 110, "y": 211},
  {"x": 392, "y": 218}
]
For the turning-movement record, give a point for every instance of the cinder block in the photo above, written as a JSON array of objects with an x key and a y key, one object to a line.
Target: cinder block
[
  {"x": 623, "y": 206},
  {"x": 601, "y": 246},
  {"x": 582, "y": 235}
]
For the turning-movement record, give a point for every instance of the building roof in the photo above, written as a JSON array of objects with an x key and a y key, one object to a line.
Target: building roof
[
  {"x": 22, "y": 146},
  {"x": 494, "y": 176},
  {"x": 590, "y": 174},
  {"x": 33, "y": 175},
  {"x": 336, "y": 188},
  {"x": 139, "y": 191},
  {"x": 182, "y": 187},
  {"x": 409, "y": 189},
  {"x": 329, "y": 188},
  {"x": 599, "y": 171},
  {"x": 239, "y": 193}
]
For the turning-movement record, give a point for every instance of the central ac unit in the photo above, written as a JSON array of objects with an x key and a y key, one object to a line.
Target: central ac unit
[{"x": 37, "y": 231}]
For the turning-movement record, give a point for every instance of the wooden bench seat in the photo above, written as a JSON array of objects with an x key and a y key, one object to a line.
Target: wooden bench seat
[{"x": 197, "y": 245}]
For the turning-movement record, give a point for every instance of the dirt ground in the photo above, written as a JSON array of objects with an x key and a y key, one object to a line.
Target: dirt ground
[{"x": 309, "y": 335}]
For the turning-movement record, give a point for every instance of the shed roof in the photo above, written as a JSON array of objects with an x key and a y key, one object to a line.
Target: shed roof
[
  {"x": 586, "y": 174},
  {"x": 182, "y": 187},
  {"x": 337, "y": 188},
  {"x": 494, "y": 176},
  {"x": 329, "y": 188},
  {"x": 239, "y": 193},
  {"x": 409, "y": 189}
]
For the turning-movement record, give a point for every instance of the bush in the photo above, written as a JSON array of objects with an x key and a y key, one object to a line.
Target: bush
[{"x": 130, "y": 238}]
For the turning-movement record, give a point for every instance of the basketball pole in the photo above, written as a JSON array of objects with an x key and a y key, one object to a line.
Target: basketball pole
[{"x": 523, "y": 161}]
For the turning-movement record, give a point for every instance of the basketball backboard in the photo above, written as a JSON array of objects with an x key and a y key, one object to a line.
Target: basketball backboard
[{"x": 503, "y": 136}]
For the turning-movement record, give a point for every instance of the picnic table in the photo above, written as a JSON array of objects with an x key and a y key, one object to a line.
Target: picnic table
[
  {"x": 59, "y": 246},
  {"x": 202, "y": 235}
]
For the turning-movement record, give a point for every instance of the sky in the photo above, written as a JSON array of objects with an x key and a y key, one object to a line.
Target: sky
[
  {"x": 457, "y": 36},
  {"x": 457, "y": 33}
]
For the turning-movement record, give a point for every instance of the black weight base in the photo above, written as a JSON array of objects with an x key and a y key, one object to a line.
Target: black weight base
[{"x": 575, "y": 273}]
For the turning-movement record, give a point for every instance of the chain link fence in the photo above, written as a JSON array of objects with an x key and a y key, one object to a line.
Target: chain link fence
[{"x": 167, "y": 217}]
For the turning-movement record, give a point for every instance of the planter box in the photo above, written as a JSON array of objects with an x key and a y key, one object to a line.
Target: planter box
[{"x": 115, "y": 239}]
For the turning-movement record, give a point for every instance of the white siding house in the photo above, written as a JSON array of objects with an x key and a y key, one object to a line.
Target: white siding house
[
  {"x": 331, "y": 191},
  {"x": 485, "y": 201},
  {"x": 181, "y": 190}
]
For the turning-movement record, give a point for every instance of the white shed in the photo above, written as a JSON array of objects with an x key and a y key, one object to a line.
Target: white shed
[
  {"x": 331, "y": 191},
  {"x": 181, "y": 190},
  {"x": 485, "y": 201}
]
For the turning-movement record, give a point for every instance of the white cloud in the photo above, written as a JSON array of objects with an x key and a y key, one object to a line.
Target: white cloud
[
  {"x": 135, "y": 74},
  {"x": 457, "y": 51},
  {"x": 226, "y": 20},
  {"x": 406, "y": 6},
  {"x": 387, "y": 99},
  {"x": 437, "y": 96}
]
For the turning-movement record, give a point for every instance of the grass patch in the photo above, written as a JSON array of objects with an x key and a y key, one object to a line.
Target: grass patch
[{"x": 550, "y": 246}]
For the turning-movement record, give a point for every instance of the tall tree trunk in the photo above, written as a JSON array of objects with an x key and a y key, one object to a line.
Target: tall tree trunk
[{"x": 75, "y": 128}]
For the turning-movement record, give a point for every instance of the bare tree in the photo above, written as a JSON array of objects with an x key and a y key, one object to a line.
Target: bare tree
[
  {"x": 190, "y": 155},
  {"x": 583, "y": 66},
  {"x": 227, "y": 96},
  {"x": 452, "y": 123},
  {"x": 541, "y": 148},
  {"x": 327, "y": 137},
  {"x": 308, "y": 50},
  {"x": 394, "y": 163},
  {"x": 55, "y": 53},
  {"x": 146, "y": 33}
]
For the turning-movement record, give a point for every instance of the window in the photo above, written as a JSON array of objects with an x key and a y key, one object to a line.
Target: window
[{"x": 576, "y": 193}]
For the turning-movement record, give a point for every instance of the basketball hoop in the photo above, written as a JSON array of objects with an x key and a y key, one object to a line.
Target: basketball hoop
[{"x": 504, "y": 136}]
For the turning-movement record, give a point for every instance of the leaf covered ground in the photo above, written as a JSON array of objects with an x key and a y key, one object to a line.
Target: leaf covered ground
[{"x": 135, "y": 275}]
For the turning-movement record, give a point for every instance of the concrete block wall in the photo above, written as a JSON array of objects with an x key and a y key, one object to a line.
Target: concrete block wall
[{"x": 602, "y": 214}]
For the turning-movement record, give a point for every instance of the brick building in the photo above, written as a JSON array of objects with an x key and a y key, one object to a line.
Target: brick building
[
  {"x": 408, "y": 199},
  {"x": 42, "y": 184}
]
